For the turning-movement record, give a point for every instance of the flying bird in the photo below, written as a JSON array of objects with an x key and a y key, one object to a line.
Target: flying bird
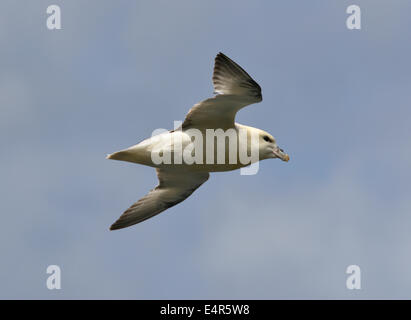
[{"x": 234, "y": 89}]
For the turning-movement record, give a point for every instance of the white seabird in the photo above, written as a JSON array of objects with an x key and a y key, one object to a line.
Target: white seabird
[{"x": 235, "y": 89}]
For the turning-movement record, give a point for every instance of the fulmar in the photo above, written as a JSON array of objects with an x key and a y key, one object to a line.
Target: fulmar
[{"x": 183, "y": 161}]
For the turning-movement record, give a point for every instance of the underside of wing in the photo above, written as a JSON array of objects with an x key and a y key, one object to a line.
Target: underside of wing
[
  {"x": 174, "y": 187},
  {"x": 235, "y": 89},
  {"x": 214, "y": 113},
  {"x": 230, "y": 78}
]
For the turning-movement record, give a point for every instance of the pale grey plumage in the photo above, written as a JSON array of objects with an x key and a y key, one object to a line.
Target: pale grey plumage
[{"x": 235, "y": 89}]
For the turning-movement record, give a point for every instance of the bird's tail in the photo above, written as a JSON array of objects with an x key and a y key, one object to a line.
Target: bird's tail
[{"x": 124, "y": 155}]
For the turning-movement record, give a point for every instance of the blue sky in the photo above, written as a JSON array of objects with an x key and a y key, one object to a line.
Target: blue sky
[{"x": 338, "y": 101}]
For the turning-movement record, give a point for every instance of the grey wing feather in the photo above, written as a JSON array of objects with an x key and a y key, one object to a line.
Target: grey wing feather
[
  {"x": 173, "y": 187},
  {"x": 230, "y": 78},
  {"x": 235, "y": 89}
]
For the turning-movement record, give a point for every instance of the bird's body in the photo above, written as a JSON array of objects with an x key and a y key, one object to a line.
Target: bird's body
[
  {"x": 168, "y": 142},
  {"x": 208, "y": 141}
]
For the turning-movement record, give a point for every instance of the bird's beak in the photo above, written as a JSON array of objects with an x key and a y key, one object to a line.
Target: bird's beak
[{"x": 279, "y": 153}]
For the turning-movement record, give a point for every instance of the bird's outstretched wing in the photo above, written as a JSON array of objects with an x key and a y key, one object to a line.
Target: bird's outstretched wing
[
  {"x": 235, "y": 89},
  {"x": 174, "y": 186}
]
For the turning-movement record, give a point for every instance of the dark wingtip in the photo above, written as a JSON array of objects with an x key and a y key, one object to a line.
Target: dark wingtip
[
  {"x": 114, "y": 227},
  {"x": 220, "y": 55}
]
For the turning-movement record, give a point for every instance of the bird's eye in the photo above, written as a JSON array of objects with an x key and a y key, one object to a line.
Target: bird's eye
[{"x": 266, "y": 138}]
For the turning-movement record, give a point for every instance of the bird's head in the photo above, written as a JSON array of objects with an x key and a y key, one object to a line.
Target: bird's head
[{"x": 269, "y": 149}]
